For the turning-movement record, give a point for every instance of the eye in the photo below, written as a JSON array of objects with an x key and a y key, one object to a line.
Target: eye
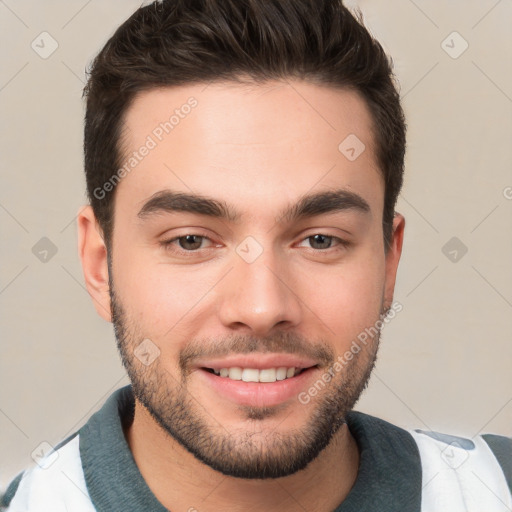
[
  {"x": 323, "y": 242},
  {"x": 185, "y": 243}
]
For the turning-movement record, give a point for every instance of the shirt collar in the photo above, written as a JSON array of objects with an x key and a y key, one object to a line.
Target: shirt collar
[{"x": 389, "y": 475}]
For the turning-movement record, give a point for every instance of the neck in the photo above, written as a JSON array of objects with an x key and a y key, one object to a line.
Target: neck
[{"x": 181, "y": 482}]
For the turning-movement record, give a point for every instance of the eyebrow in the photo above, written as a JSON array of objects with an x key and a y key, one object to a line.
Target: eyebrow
[{"x": 168, "y": 201}]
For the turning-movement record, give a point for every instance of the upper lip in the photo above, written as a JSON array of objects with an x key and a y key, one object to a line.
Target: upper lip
[{"x": 258, "y": 361}]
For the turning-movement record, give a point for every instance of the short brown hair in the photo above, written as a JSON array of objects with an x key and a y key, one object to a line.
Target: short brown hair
[{"x": 178, "y": 42}]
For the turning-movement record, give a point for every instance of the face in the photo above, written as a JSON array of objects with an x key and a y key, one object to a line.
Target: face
[{"x": 247, "y": 256}]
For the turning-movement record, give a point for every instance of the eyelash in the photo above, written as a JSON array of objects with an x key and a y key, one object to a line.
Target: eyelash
[{"x": 167, "y": 244}]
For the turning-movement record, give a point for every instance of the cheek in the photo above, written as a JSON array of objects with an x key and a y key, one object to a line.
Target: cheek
[
  {"x": 160, "y": 300},
  {"x": 346, "y": 299}
]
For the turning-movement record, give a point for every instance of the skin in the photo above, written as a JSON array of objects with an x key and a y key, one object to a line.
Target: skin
[{"x": 259, "y": 148}]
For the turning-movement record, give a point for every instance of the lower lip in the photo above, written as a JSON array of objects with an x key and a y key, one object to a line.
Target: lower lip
[{"x": 258, "y": 394}]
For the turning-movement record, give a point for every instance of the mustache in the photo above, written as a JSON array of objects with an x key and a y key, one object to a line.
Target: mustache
[{"x": 283, "y": 343}]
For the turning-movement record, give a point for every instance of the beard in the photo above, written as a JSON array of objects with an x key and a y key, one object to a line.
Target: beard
[{"x": 250, "y": 452}]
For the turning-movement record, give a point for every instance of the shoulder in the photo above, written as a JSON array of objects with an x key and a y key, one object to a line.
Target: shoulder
[
  {"x": 447, "y": 472},
  {"x": 56, "y": 479},
  {"x": 454, "y": 451},
  {"x": 459, "y": 470}
]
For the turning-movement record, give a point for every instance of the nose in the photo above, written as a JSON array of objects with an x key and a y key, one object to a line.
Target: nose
[{"x": 260, "y": 296}]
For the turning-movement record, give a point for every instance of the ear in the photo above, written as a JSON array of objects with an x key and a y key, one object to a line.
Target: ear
[
  {"x": 93, "y": 255},
  {"x": 393, "y": 257}
]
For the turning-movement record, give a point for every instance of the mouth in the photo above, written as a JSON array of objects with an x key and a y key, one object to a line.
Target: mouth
[
  {"x": 267, "y": 375},
  {"x": 263, "y": 381}
]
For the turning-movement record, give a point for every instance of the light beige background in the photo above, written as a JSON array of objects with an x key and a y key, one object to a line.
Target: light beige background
[{"x": 445, "y": 362}]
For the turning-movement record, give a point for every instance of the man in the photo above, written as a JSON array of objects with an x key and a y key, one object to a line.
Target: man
[{"x": 243, "y": 160}]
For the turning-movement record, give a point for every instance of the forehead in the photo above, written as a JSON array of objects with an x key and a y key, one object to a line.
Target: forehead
[{"x": 245, "y": 143}]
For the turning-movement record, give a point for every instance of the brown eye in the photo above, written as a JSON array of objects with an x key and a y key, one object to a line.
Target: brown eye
[{"x": 190, "y": 242}]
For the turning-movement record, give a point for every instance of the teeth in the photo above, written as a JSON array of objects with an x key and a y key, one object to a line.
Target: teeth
[
  {"x": 255, "y": 375},
  {"x": 250, "y": 375},
  {"x": 281, "y": 373},
  {"x": 268, "y": 375},
  {"x": 235, "y": 373}
]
